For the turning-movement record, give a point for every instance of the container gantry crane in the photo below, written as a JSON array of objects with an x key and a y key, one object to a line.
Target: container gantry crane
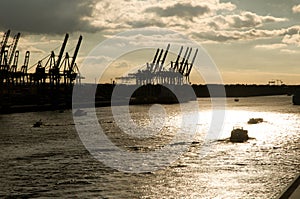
[{"x": 54, "y": 70}]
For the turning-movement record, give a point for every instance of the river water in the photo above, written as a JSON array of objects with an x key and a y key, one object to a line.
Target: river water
[{"x": 51, "y": 161}]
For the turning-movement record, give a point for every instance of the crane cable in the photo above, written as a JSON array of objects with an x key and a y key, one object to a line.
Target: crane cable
[{"x": 42, "y": 59}]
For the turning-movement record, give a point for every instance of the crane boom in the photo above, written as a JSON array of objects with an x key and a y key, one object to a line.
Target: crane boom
[
  {"x": 183, "y": 59},
  {"x": 193, "y": 61},
  {"x": 3, "y": 44},
  {"x": 164, "y": 58},
  {"x": 154, "y": 60},
  {"x": 76, "y": 52},
  {"x": 62, "y": 51},
  {"x": 159, "y": 57},
  {"x": 155, "y": 57},
  {"x": 13, "y": 48},
  {"x": 14, "y": 66},
  {"x": 26, "y": 62},
  {"x": 178, "y": 57},
  {"x": 4, "y": 41},
  {"x": 186, "y": 61}
]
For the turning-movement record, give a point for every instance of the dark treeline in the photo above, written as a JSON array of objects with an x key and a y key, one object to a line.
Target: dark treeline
[
  {"x": 44, "y": 97},
  {"x": 241, "y": 90}
]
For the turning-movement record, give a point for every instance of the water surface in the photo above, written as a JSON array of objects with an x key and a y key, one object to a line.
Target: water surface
[{"x": 51, "y": 161}]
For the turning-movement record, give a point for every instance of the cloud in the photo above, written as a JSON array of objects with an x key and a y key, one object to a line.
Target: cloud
[
  {"x": 97, "y": 59},
  {"x": 270, "y": 46},
  {"x": 235, "y": 35},
  {"x": 292, "y": 39},
  {"x": 226, "y": 6},
  {"x": 296, "y": 9},
  {"x": 247, "y": 20},
  {"x": 241, "y": 21},
  {"x": 205, "y": 20},
  {"x": 44, "y": 16},
  {"x": 32, "y": 49},
  {"x": 146, "y": 23},
  {"x": 293, "y": 30},
  {"x": 291, "y": 36},
  {"x": 288, "y": 51},
  {"x": 183, "y": 10},
  {"x": 121, "y": 64}
]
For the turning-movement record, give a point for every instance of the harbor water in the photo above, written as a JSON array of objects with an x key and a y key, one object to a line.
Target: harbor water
[{"x": 51, "y": 160}]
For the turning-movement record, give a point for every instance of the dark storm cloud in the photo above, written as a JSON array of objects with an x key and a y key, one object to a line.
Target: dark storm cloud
[
  {"x": 180, "y": 10},
  {"x": 46, "y": 16}
]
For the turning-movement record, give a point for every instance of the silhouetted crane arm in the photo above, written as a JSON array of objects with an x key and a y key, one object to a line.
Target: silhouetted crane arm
[
  {"x": 157, "y": 62},
  {"x": 178, "y": 57},
  {"x": 183, "y": 59},
  {"x": 3, "y": 45},
  {"x": 154, "y": 60},
  {"x": 26, "y": 62},
  {"x": 164, "y": 58},
  {"x": 4, "y": 41},
  {"x": 186, "y": 61},
  {"x": 13, "y": 48},
  {"x": 62, "y": 51},
  {"x": 76, "y": 53},
  {"x": 13, "y": 68},
  {"x": 193, "y": 61}
]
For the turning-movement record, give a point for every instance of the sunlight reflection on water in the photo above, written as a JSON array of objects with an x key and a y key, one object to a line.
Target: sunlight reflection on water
[{"x": 51, "y": 161}]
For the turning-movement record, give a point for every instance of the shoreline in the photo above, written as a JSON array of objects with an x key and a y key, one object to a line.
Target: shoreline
[{"x": 34, "y": 98}]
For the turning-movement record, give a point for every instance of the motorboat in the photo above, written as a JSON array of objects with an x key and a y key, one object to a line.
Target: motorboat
[
  {"x": 239, "y": 135},
  {"x": 255, "y": 120},
  {"x": 38, "y": 123}
]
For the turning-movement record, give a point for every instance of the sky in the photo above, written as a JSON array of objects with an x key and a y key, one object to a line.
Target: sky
[{"x": 250, "y": 41}]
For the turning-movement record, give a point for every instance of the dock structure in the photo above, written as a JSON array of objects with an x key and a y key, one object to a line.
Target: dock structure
[
  {"x": 49, "y": 83},
  {"x": 57, "y": 70},
  {"x": 175, "y": 73}
]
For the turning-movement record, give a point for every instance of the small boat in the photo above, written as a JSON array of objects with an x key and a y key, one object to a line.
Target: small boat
[
  {"x": 80, "y": 112},
  {"x": 239, "y": 135},
  {"x": 236, "y": 100},
  {"x": 255, "y": 120},
  {"x": 296, "y": 98},
  {"x": 38, "y": 123}
]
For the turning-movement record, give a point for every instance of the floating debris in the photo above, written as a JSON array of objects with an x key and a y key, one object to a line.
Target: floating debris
[
  {"x": 38, "y": 123},
  {"x": 195, "y": 142},
  {"x": 239, "y": 135},
  {"x": 255, "y": 120},
  {"x": 80, "y": 112}
]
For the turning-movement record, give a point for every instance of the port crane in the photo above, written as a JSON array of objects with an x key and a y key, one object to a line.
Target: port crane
[
  {"x": 156, "y": 73},
  {"x": 8, "y": 53},
  {"x": 42, "y": 86},
  {"x": 58, "y": 67},
  {"x": 20, "y": 77},
  {"x": 63, "y": 66},
  {"x": 54, "y": 66},
  {"x": 13, "y": 48},
  {"x": 3, "y": 45},
  {"x": 71, "y": 70}
]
